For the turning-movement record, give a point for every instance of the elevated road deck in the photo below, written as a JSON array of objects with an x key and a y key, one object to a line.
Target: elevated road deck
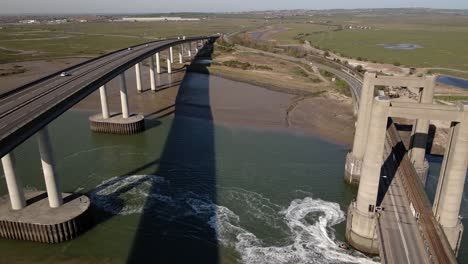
[{"x": 27, "y": 109}]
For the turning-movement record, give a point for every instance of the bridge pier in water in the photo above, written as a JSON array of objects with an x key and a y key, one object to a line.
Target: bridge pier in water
[
  {"x": 451, "y": 183},
  {"x": 123, "y": 123},
  {"x": 41, "y": 216},
  {"x": 354, "y": 158},
  {"x": 362, "y": 216},
  {"x": 420, "y": 132},
  {"x": 361, "y": 226},
  {"x": 419, "y": 135}
]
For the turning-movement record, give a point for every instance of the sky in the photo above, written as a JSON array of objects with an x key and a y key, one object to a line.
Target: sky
[{"x": 154, "y": 6}]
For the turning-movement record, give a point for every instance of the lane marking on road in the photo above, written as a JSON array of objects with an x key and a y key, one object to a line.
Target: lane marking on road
[{"x": 405, "y": 246}]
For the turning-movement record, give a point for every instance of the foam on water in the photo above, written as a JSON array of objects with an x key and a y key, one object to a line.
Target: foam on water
[{"x": 307, "y": 223}]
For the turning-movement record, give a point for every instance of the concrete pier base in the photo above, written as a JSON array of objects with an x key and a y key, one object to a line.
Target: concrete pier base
[
  {"x": 367, "y": 243},
  {"x": 352, "y": 169},
  {"x": 116, "y": 124},
  {"x": 38, "y": 222}
]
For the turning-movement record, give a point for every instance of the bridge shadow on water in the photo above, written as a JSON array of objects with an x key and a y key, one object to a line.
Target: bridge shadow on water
[
  {"x": 178, "y": 220},
  {"x": 169, "y": 233}
]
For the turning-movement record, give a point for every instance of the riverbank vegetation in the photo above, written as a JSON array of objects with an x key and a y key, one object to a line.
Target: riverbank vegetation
[{"x": 272, "y": 73}]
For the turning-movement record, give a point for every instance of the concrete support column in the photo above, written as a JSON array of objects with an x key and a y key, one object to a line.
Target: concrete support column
[
  {"x": 123, "y": 95},
  {"x": 171, "y": 54},
  {"x": 152, "y": 74},
  {"x": 104, "y": 103},
  {"x": 14, "y": 185},
  {"x": 373, "y": 158},
  {"x": 361, "y": 230},
  {"x": 452, "y": 181},
  {"x": 158, "y": 63},
  {"x": 181, "y": 53},
  {"x": 138, "y": 77},
  {"x": 169, "y": 66},
  {"x": 420, "y": 132},
  {"x": 190, "y": 49},
  {"x": 48, "y": 167},
  {"x": 355, "y": 157}
]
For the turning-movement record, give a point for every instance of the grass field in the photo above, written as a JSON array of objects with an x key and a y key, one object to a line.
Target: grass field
[
  {"x": 19, "y": 43},
  {"x": 300, "y": 29},
  {"x": 443, "y": 39}
]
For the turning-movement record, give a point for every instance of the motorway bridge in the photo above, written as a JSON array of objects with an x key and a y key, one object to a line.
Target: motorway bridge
[{"x": 27, "y": 110}]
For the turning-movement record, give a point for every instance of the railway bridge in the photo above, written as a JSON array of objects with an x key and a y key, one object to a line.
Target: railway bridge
[
  {"x": 392, "y": 215},
  {"x": 53, "y": 216}
]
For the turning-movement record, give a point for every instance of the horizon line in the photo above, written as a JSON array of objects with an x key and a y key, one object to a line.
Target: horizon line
[{"x": 229, "y": 12}]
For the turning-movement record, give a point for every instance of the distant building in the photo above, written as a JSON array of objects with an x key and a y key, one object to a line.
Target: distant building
[
  {"x": 29, "y": 21},
  {"x": 153, "y": 19},
  {"x": 58, "y": 21}
]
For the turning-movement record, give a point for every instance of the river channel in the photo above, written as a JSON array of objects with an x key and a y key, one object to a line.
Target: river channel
[{"x": 192, "y": 190}]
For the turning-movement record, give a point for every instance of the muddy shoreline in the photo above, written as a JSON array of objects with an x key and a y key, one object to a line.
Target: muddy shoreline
[{"x": 232, "y": 102}]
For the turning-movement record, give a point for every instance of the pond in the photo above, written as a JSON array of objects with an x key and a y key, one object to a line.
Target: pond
[
  {"x": 453, "y": 81},
  {"x": 403, "y": 46}
]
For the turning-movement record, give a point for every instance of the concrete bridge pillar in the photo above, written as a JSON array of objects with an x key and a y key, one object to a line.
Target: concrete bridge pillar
[
  {"x": 14, "y": 185},
  {"x": 420, "y": 132},
  {"x": 171, "y": 54},
  {"x": 104, "y": 103},
  {"x": 124, "y": 124},
  {"x": 452, "y": 181},
  {"x": 152, "y": 74},
  {"x": 169, "y": 66},
  {"x": 360, "y": 230},
  {"x": 123, "y": 95},
  {"x": 138, "y": 77},
  {"x": 354, "y": 158},
  {"x": 189, "y": 49},
  {"x": 158, "y": 63},
  {"x": 181, "y": 53},
  {"x": 48, "y": 167}
]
